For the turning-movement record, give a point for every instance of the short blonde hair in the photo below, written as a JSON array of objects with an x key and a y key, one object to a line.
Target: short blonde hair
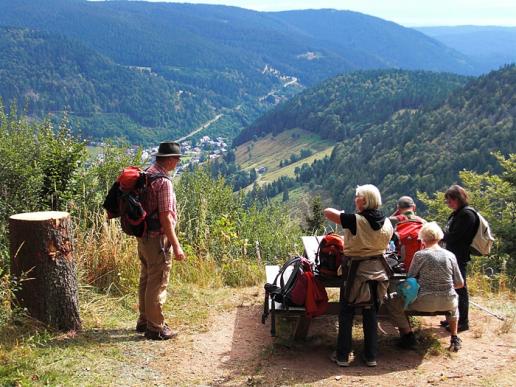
[
  {"x": 431, "y": 232},
  {"x": 371, "y": 194}
]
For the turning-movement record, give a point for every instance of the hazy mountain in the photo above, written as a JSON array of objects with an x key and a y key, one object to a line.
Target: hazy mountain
[
  {"x": 375, "y": 42},
  {"x": 489, "y": 47}
]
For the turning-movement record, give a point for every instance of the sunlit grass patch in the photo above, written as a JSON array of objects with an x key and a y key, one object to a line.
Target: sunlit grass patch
[{"x": 30, "y": 354}]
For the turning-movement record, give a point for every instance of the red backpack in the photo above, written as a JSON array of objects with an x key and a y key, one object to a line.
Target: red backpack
[
  {"x": 124, "y": 200},
  {"x": 407, "y": 230},
  {"x": 330, "y": 255}
]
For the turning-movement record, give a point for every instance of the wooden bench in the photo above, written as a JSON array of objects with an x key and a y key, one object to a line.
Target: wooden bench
[{"x": 311, "y": 245}]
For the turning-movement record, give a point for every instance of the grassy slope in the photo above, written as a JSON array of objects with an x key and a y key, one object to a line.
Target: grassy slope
[{"x": 269, "y": 151}]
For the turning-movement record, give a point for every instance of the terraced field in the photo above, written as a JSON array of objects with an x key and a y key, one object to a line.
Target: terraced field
[{"x": 269, "y": 151}]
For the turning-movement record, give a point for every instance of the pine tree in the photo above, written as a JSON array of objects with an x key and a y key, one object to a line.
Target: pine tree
[
  {"x": 315, "y": 221},
  {"x": 285, "y": 194}
]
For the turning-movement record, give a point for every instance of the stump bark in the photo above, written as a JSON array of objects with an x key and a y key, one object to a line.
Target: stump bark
[{"x": 41, "y": 249}]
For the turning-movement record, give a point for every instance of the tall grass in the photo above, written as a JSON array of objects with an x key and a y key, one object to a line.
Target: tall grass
[{"x": 107, "y": 259}]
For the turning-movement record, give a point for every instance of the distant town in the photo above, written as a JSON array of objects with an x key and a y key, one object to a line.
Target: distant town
[{"x": 194, "y": 152}]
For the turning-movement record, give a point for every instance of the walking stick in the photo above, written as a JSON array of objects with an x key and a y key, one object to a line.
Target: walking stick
[{"x": 487, "y": 311}]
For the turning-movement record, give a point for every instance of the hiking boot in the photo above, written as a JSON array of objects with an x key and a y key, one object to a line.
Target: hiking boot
[
  {"x": 141, "y": 327},
  {"x": 165, "y": 334},
  {"x": 455, "y": 344},
  {"x": 460, "y": 327},
  {"x": 408, "y": 341},
  {"x": 341, "y": 363}
]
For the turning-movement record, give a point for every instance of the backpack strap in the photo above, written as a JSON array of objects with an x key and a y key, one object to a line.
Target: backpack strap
[
  {"x": 155, "y": 176},
  {"x": 477, "y": 219},
  {"x": 406, "y": 219},
  {"x": 283, "y": 287},
  {"x": 149, "y": 179},
  {"x": 317, "y": 259},
  {"x": 472, "y": 210}
]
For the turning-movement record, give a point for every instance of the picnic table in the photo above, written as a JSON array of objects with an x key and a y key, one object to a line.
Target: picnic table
[{"x": 311, "y": 245}]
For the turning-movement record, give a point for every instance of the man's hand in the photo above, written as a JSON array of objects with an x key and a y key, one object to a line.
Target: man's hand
[{"x": 179, "y": 255}]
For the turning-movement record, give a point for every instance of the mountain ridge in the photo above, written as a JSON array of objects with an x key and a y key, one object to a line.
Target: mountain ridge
[{"x": 218, "y": 53}]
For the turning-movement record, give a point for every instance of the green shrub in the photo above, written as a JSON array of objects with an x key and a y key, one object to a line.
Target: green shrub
[{"x": 494, "y": 196}]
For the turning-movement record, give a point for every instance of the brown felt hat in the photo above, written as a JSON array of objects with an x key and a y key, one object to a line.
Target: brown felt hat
[{"x": 169, "y": 148}]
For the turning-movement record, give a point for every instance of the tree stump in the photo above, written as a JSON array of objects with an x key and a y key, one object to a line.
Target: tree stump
[{"x": 41, "y": 249}]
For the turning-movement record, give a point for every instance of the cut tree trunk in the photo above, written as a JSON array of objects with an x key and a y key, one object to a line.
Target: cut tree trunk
[{"x": 41, "y": 247}]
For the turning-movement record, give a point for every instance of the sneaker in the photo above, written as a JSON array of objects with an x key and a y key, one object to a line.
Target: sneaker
[
  {"x": 460, "y": 328},
  {"x": 141, "y": 327},
  {"x": 444, "y": 323},
  {"x": 408, "y": 341},
  {"x": 369, "y": 362},
  {"x": 165, "y": 334},
  {"x": 340, "y": 363},
  {"x": 455, "y": 344}
]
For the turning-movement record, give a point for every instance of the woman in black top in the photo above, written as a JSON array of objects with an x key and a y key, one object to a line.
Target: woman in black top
[
  {"x": 366, "y": 236},
  {"x": 458, "y": 234}
]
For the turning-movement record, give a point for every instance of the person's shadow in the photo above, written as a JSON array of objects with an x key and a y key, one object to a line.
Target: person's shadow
[
  {"x": 25, "y": 326},
  {"x": 257, "y": 356}
]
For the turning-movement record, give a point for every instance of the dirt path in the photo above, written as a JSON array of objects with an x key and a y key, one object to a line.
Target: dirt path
[{"x": 236, "y": 349}]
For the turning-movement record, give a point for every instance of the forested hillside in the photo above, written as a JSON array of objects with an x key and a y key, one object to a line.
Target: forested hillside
[
  {"x": 215, "y": 60},
  {"x": 345, "y": 106},
  {"x": 219, "y": 37},
  {"x": 48, "y": 73},
  {"x": 377, "y": 43},
  {"x": 425, "y": 149},
  {"x": 403, "y": 139}
]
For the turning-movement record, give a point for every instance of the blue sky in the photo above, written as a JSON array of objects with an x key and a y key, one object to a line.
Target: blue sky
[{"x": 405, "y": 12}]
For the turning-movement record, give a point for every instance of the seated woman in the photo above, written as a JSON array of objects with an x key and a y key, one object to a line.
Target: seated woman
[
  {"x": 438, "y": 276},
  {"x": 366, "y": 236}
]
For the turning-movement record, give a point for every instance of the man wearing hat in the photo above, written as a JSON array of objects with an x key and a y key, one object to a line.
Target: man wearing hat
[
  {"x": 154, "y": 247},
  {"x": 407, "y": 225}
]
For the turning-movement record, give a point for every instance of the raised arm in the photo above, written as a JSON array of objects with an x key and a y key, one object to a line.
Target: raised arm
[{"x": 332, "y": 215}]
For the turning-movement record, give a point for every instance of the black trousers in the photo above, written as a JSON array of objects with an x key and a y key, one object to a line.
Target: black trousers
[
  {"x": 463, "y": 296},
  {"x": 369, "y": 325}
]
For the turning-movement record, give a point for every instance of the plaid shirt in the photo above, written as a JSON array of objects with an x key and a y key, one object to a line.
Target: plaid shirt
[{"x": 160, "y": 198}]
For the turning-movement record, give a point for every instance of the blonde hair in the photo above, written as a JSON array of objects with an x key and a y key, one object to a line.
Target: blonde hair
[
  {"x": 431, "y": 232},
  {"x": 371, "y": 194}
]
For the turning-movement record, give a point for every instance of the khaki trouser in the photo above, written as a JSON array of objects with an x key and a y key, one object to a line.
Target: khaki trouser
[{"x": 154, "y": 276}]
